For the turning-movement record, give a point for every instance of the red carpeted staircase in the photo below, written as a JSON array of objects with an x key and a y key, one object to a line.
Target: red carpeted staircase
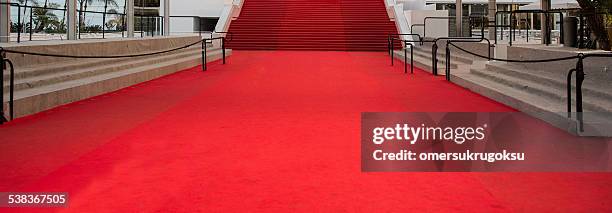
[{"x": 353, "y": 25}]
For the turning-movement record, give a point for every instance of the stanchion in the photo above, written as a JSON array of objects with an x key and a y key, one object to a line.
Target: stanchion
[
  {"x": 579, "y": 79},
  {"x": 569, "y": 93},
  {"x": 448, "y": 61},
  {"x": 204, "y": 55},
  {"x": 3, "y": 62},
  {"x": 391, "y": 50},
  {"x": 405, "y": 59},
  {"x": 2, "y": 66},
  {"x": 223, "y": 48},
  {"x": 434, "y": 58},
  {"x": 411, "y": 58}
]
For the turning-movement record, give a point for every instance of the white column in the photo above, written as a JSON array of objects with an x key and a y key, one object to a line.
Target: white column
[
  {"x": 459, "y": 17},
  {"x": 71, "y": 19},
  {"x": 130, "y": 18},
  {"x": 491, "y": 16},
  {"x": 5, "y": 21},
  {"x": 166, "y": 17}
]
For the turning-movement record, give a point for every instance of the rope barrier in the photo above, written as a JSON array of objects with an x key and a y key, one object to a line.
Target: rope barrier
[
  {"x": 516, "y": 61},
  {"x": 112, "y": 56}
]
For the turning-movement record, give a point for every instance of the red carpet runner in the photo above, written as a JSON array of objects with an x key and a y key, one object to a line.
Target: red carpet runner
[
  {"x": 269, "y": 131},
  {"x": 312, "y": 25}
]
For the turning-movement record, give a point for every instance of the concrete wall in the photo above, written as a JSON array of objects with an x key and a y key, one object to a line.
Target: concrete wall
[
  {"x": 435, "y": 28},
  {"x": 203, "y": 8}
]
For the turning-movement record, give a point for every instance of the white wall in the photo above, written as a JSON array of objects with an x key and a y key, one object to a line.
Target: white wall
[
  {"x": 203, "y": 8},
  {"x": 435, "y": 27},
  {"x": 208, "y": 8}
]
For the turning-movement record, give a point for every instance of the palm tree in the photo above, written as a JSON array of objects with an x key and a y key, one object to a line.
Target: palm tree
[
  {"x": 84, "y": 3},
  {"x": 45, "y": 20},
  {"x": 116, "y": 22},
  {"x": 597, "y": 22},
  {"x": 25, "y": 3}
]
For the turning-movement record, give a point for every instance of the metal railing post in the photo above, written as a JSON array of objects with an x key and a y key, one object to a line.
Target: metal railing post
[
  {"x": 2, "y": 65},
  {"x": 31, "y": 26},
  {"x": 19, "y": 24},
  {"x": 448, "y": 61},
  {"x": 204, "y": 55},
  {"x": 405, "y": 58},
  {"x": 389, "y": 44},
  {"x": 411, "y": 58},
  {"x": 391, "y": 51},
  {"x": 434, "y": 58},
  {"x": 569, "y": 93},
  {"x": 579, "y": 79},
  {"x": 223, "y": 48}
]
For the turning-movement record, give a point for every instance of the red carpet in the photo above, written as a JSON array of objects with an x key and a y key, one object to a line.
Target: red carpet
[
  {"x": 312, "y": 25},
  {"x": 269, "y": 131}
]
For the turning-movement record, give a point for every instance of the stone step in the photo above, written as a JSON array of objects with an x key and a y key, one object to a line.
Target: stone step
[
  {"x": 89, "y": 69},
  {"x": 423, "y": 62},
  {"x": 558, "y": 81},
  {"x": 591, "y": 103},
  {"x": 37, "y": 99},
  {"x": 545, "y": 108},
  {"x": 30, "y": 71},
  {"x": 455, "y": 55}
]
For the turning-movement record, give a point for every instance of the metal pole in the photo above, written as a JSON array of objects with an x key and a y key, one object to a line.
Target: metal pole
[
  {"x": 19, "y": 24},
  {"x": 204, "y": 55},
  {"x": 510, "y": 31},
  {"x": 448, "y": 61},
  {"x": 31, "y": 27},
  {"x": 434, "y": 58},
  {"x": 405, "y": 59},
  {"x": 2, "y": 65},
  {"x": 104, "y": 17},
  {"x": 569, "y": 93},
  {"x": 223, "y": 48},
  {"x": 579, "y": 79},
  {"x": 411, "y": 59},
  {"x": 392, "y": 45}
]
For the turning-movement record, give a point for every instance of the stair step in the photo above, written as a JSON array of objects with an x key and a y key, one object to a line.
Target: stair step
[
  {"x": 312, "y": 25},
  {"x": 552, "y": 111},
  {"x": 36, "y": 99},
  {"x": 87, "y": 71}
]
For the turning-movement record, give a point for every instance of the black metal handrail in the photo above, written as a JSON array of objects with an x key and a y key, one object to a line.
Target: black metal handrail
[
  {"x": 415, "y": 25},
  {"x": 434, "y": 50},
  {"x": 3, "y": 62},
  {"x": 390, "y": 40},
  {"x": 580, "y": 76},
  {"x": 204, "y": 50},
  {"x": 448, "y": 53},
  {"x": 512, "y": 25},
  {"x": 407, "y": 43}
]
